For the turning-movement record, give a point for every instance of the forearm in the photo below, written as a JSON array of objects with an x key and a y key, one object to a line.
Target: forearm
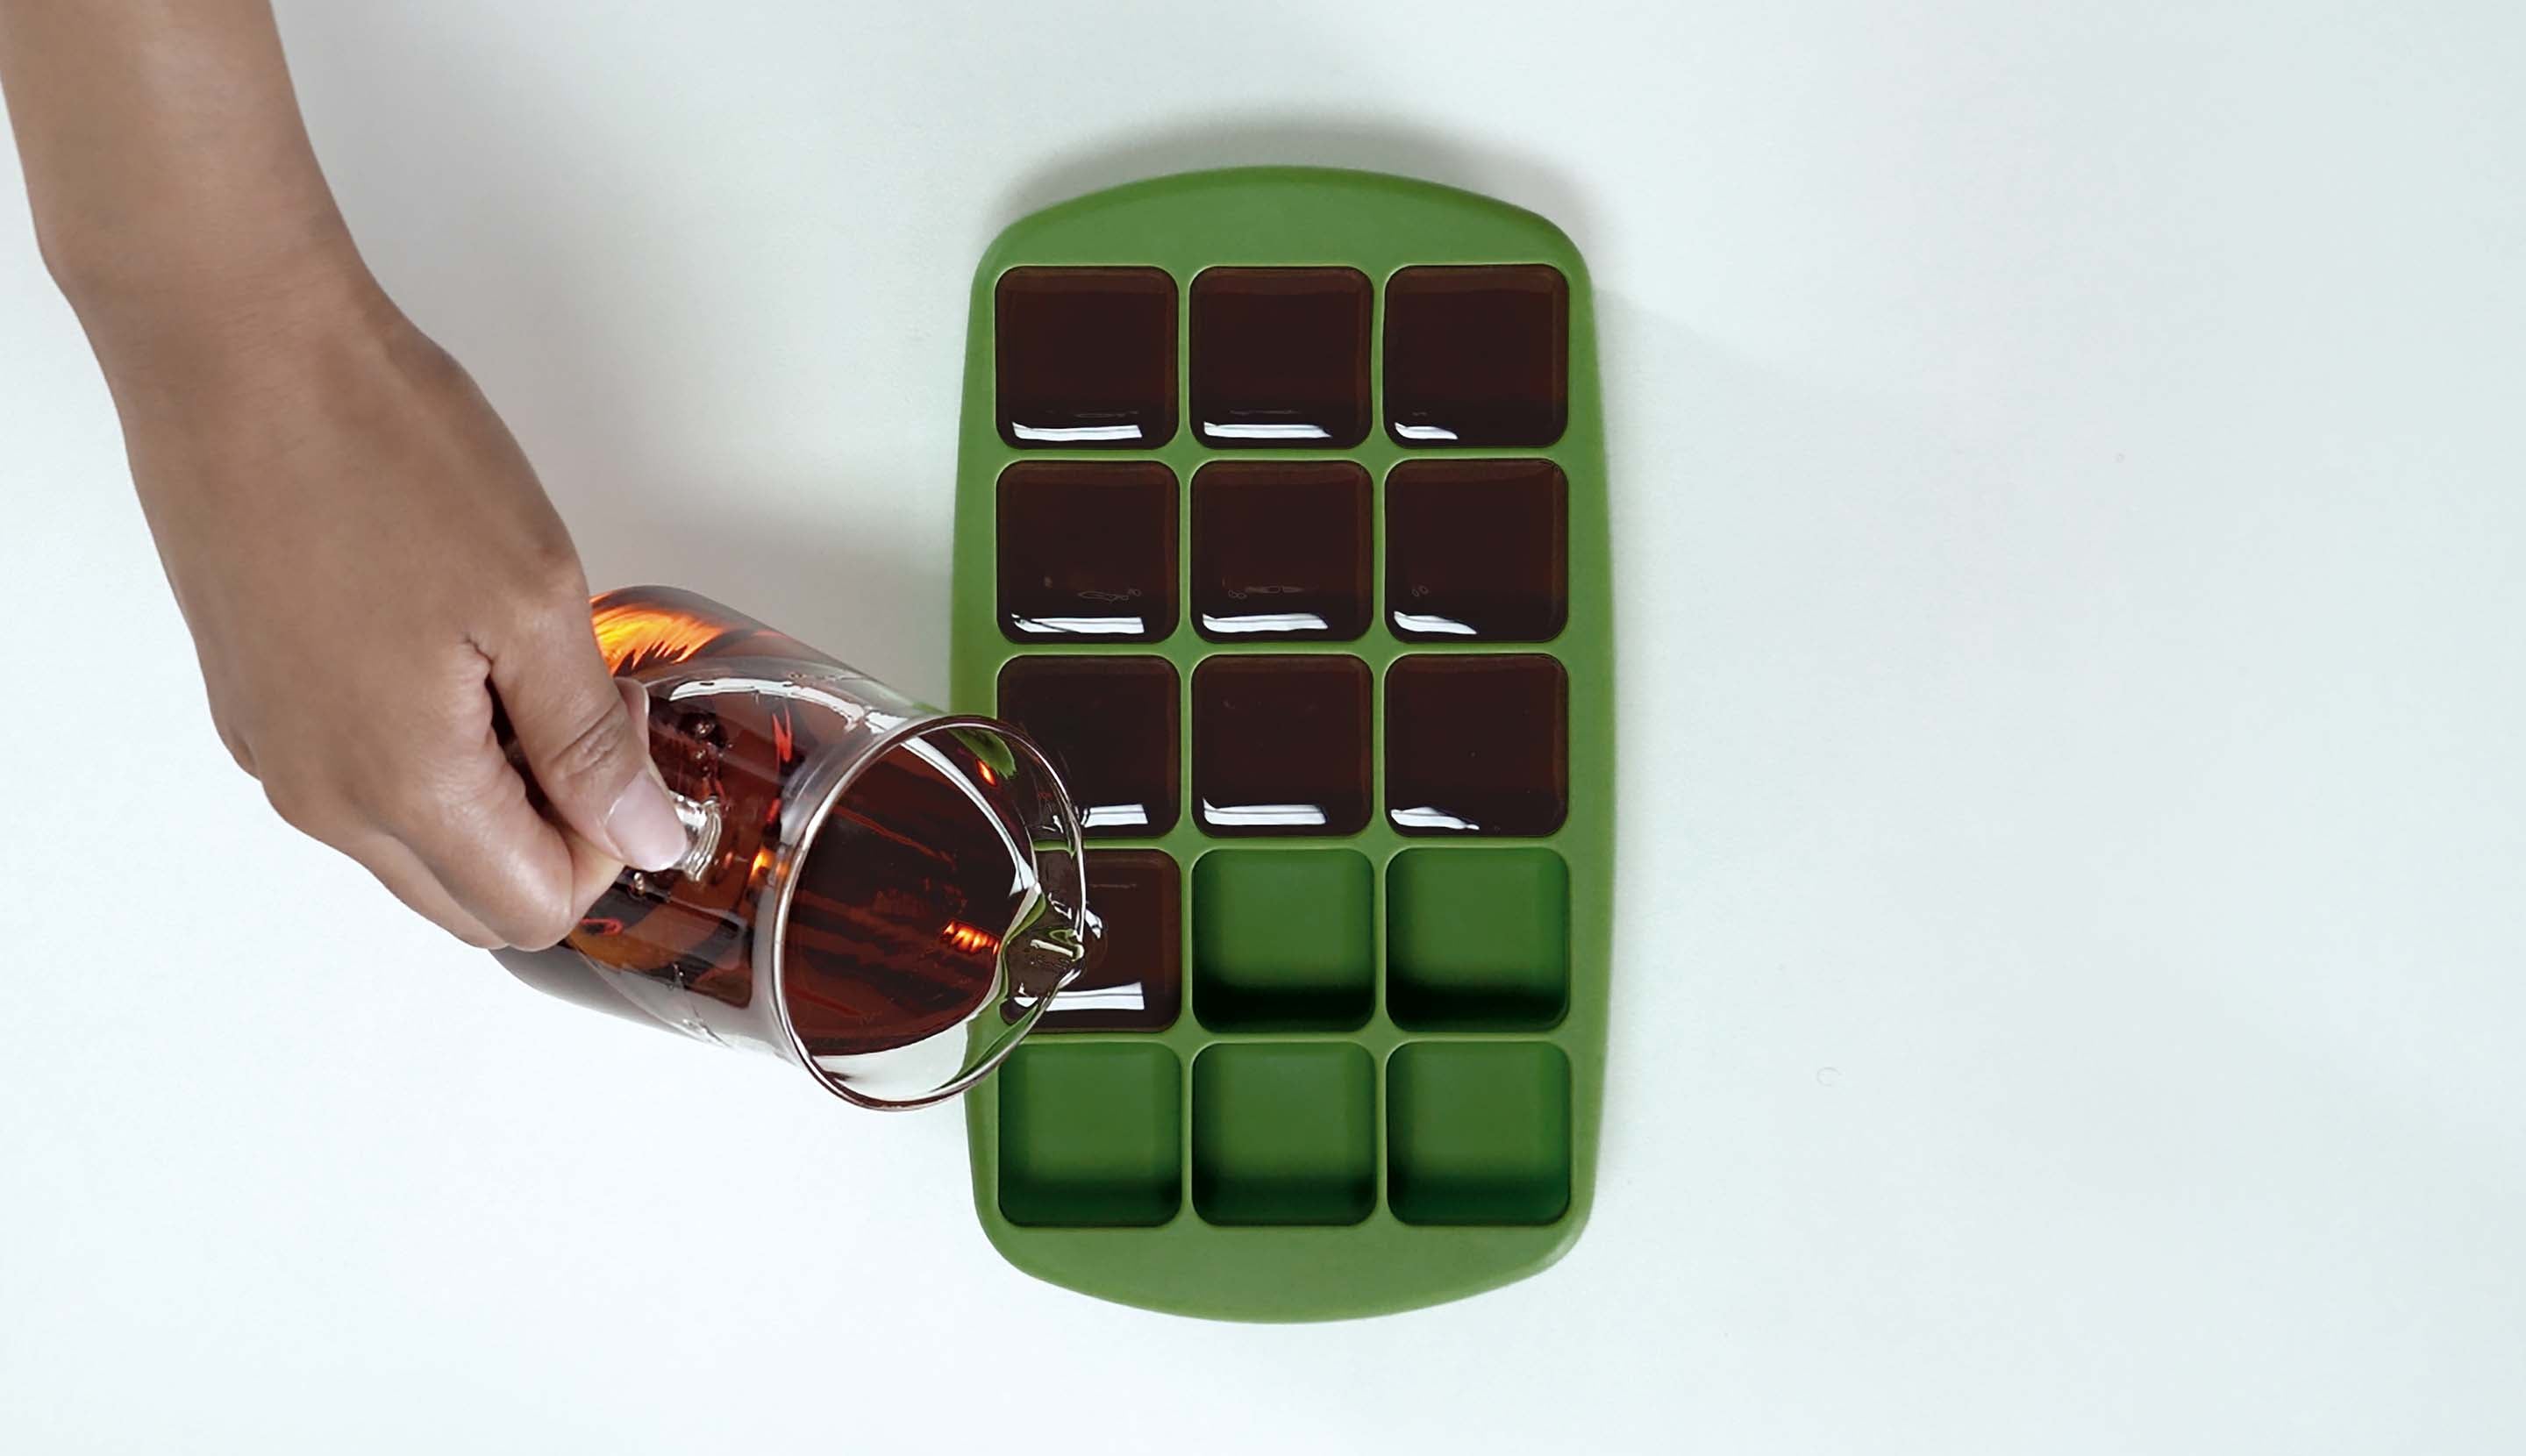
[{"x": 170, "y": 179}]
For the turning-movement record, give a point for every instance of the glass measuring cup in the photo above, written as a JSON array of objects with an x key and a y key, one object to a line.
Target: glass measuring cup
[{"x": 867, "y": 883}]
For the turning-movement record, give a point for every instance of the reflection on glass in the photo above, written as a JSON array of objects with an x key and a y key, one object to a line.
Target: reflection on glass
[{"x": 1133, "y": 981}]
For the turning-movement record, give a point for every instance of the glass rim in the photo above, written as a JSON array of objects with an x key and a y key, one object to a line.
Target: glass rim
[{"x": 771, "y": 936}]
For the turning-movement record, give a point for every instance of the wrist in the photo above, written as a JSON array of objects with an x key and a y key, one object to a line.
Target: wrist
[
  {"x": 184, "y": 321},
  {"x": 210, "y": 294}
]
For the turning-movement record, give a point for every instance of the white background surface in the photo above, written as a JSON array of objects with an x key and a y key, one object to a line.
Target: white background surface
[{"x": 2072, "y": 550}]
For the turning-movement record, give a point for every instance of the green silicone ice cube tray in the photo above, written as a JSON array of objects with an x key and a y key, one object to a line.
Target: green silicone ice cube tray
[{"x": 1280, "y": 523}]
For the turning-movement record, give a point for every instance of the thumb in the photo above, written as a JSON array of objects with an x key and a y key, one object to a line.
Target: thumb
[{"x": 587, "y": 753}]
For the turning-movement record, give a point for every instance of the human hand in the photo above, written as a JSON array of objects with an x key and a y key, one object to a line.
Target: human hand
[
  {"x": 368, "y": 568},
  {"x": 365, "y": 559}
]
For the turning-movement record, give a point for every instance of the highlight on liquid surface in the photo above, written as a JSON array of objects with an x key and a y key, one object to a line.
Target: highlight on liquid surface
[
  {"x": 1134, "y": 981},
  {"x": 1086, "y": 358},
  {"x": 1477, "y": 356},
  {"x": 1087, "y": 550},
  {"x": 1280, "y": 745},
  {"x": 1280, "y": 357},
  {"x": 1477, "y": 549},
  {"x": 1477, "y": 745},
  {"x": 1281, "y": 550},
  {"x": 1109, "y": 726}
]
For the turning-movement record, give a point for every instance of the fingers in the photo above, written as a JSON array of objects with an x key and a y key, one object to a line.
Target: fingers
[
  {"x": 403, "y": 875},
  {"x": 527, "y": 878},
  {"x": 451, "y": 829},
  {"x": 586, "y": 746},
  {"x": 437, "y": 815},
  {"x": 505, "y": 862},
  {"x": 591, "y": 870},
  {"x": 486, "y": 912},
  {"x": 635, "y": 706}
]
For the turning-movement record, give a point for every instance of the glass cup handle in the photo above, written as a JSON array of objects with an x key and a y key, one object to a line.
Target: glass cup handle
[{"x": 701, "y": 820}]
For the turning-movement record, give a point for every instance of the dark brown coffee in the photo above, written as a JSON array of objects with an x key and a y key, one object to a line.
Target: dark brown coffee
[
  {"x": 1280, "y": 551},
  {"x": 1086, "y": 357},
  {"x": 1477, "y": 745},
  {"x": 1477, "y": 356},
  {"x": 1280, "y": 745},
  {"x": 895, "y": 928},
  {"x": 1109, "y": 726},
  {"x": 1280, "y": 357},
  {"x": 1087, "y": 549},
  {"x": 1477, "y": 549}
]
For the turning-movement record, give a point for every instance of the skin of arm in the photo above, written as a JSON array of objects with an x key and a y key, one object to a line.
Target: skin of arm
[{"x": 367, "y": 562}]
